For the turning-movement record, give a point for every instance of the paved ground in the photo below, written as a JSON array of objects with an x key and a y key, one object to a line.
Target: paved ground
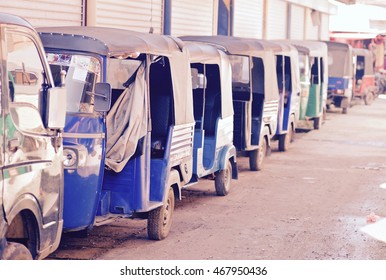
[{"x": 308, "y": 203}]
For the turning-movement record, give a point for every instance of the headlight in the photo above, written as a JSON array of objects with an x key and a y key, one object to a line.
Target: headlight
[{"x": 70, "y": 158}]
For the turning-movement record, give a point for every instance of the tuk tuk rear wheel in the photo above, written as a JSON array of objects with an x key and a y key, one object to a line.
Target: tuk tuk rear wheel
[
  {"x": 16, "y": 251},
  {"x": 160, "y": 219},
  {"x": 222, "y": 181},
  {"x": 317, "y": 122},
  {"x": 369, "y": 98},
  {"x": 256, "y": 157},
  {"x": 285, "y": 140}
]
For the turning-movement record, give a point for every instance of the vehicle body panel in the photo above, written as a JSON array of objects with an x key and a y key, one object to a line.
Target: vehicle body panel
[{"x": 31, "y": 154}]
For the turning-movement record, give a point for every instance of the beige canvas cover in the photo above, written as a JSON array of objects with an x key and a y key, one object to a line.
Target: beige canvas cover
[{"x": 126, "y": 123}]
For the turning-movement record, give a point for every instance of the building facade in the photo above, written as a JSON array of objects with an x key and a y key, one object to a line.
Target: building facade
[{"x": 262, "y": 19}]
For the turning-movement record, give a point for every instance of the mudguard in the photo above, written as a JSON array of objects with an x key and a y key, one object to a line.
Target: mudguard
[
  {"x": 267, "y": 131},
  {"x": 174, "y": 181},
  {"x": 228, "y": 153}
]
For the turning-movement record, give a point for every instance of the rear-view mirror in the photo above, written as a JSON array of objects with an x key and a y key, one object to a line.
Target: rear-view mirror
[
  {"x": 102, "y": 97},
  {"x": 56, "y": 111}
]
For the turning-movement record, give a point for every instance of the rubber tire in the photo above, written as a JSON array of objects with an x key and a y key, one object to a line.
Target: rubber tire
[
  {"x": 256, "y": 157},
  {"x": 369, "y": 98},
  {"x": 222, "y": 181},
  {"x": 160, "y": 219},
  {"x": 344, "y": 110},
  {"x": 285, "y": 140},
  {"x": 16, "y": 251},
  {"x": 317, "y": 123}
]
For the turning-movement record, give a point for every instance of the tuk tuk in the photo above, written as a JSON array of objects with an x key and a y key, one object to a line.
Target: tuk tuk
[
  {"x": 214, "y": 154},
  {"x": 32, "y": 119},
  {"x": 364, "y": 87},
  {"x": 313, "y": 81},
  {"x": 287, "y": 70},
  {"x": 132, "y": 158},
  {"x": 340, "y": 80},
  {"x": 254, "y": 91}
]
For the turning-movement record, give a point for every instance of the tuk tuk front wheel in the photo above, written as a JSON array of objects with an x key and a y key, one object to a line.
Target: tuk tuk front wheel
[
  {"x": 16, "y": 251},
  {"x": 256, "y": 157},
  {"x": 222, "y": 181},
  {"x": 159, "y": 220}
]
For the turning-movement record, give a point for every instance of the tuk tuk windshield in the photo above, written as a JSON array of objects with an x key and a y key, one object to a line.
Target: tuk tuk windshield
[
  {"x": 240, "y": 72},
  {"x": 82, "y": 73}
]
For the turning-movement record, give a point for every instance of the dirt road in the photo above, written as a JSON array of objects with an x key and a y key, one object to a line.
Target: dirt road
[{"x": 308, "y": 203}]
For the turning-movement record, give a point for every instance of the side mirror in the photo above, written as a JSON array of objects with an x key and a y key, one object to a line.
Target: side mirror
[
  {"x": 56, "y": 110},
  {"x": 102, "y": 97}
]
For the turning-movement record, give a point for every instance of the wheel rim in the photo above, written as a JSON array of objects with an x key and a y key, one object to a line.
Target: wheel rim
[
  {"x": 227, "y": 177},
  {"x": 167, "y": 212}
]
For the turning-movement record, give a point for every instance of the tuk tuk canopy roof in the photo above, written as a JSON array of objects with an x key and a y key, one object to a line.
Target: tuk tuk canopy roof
[
  {"x": 235, "y": 45},
  {"x": 340, "y": 62},
  {"x": 111, "y": 42},
  {"x": 368, "y": 59},
  {"x": 15, "y": 20},
  {"x": 207, "y": 54},
  {"x": 312, "y": 48},
  {"x": 251, "y": 48}
]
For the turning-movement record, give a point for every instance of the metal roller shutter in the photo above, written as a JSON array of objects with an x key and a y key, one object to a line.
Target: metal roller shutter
[
  {"x": 248, "y": 17},
  {"x": 324, "y": 27},
  {"x": 192, "y": 17},
  {"x": 312, "y": 29},
  {"x": 276, "y": 19},
  {"x": 137, "y": 15},
  {"x": 46, "y": 12},
  {"x": 297, "y": 23}
]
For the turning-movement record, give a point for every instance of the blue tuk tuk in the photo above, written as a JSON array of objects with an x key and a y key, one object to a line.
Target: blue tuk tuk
[
  {"x": 287, "y": 69},
  {"x": 130, "y": 160},
  {"x": 254, "y": 91},
  {"x": 340, "y": 80},
  {"x": 214, "y": 152}
]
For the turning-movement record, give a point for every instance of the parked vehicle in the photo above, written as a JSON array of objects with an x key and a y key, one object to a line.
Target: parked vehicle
[
  {"x": 288, "y": 78},
  {"x": 340, "y": 80},
  {"x": 214, "y": 155},
  {"x": 32, "y": 119},
  {"x": 133, "y": 159},
  {"x": 313, "y": 60},
  {"x": 255, "y": 93},
  {"x": 364, "y": 87}
]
